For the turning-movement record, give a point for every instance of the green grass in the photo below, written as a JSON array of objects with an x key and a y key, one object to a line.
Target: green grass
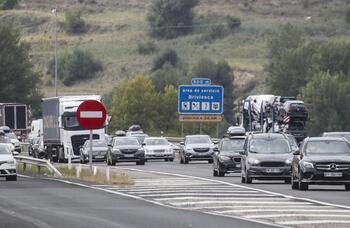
[
  {"x": 116, "y": 30},
  {"x": 32, "y": 170}
]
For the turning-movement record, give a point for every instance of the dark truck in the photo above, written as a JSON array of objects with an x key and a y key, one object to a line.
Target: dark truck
[{"x": 14, "y": 116}]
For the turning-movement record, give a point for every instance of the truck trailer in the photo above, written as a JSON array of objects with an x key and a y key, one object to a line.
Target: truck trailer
[
  {"x": 62, "y": 134},
  {"x": 14, "y": 116}
]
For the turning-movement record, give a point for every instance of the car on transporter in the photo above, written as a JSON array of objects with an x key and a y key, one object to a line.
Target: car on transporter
[
  {"x": 266, "y": 156},
  {"x": 197, "y": 148},
  {"x": 321, "y": 161}
]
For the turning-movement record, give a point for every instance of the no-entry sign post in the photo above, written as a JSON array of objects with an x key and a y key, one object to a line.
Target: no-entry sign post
[{"x": 91, "y": 114}]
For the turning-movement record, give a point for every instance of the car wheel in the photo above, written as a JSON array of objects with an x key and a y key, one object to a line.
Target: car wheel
[
  {"x": 140, "y": 163},
  {"x": 166, "y": 159},
  {"x": 303, "y": 186},
  {"x": 11, "y": 178},
  {"x": 248, "y": 179},
  {"x": 347, "y": 187},
  {"x": 288, "y": 181},
  {"x": 242, "y": 179},
  {"x": 221, "y": 174},
  {"x": 113, "y": 162},
  {"x": 186, "y": 161},
  {"x": 171, "y": 159},
  {"x": 181, "y": 160},
  {"x": 215, "y": 173},
  {"x": 210, "y": 161}
]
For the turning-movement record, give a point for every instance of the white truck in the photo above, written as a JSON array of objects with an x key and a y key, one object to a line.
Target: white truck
[{"x": 62, "y": 134}]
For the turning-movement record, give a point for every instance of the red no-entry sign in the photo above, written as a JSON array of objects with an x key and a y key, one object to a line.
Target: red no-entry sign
[{"x": 91, "y": 114}]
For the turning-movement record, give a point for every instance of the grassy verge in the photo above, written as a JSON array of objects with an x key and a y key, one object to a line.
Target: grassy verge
[
  {"x": 99, "y": 177},
  {"x": 32, "y": 170}
]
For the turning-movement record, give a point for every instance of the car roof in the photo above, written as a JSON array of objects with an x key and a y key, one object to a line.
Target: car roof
[
  {"x": 319, "y": 139},
  {"x": 190, "y": 136},
  {"x": 336, "y": 133},
  {"x": 155, "y": 138},
  {"x": 234, "y": 137},
  {"x": 268, "y": 135}
]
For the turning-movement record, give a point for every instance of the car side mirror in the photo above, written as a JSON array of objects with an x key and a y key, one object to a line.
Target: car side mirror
[
  {"x": 143, "y": 144},
  {"x": 296, "y": 152},
  {"x": 182, "y": 143}
]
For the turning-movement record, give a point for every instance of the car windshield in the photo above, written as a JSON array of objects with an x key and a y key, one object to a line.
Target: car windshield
[
  {"x": 11, "y": 135},
  {"x": 152, "y": 142},
  {"x": 232, "y": 145},
  {"x": 198, "y": 140},
  {"x": 327, "y": 147},
  {"x": 140, "y": 138},
  {"x": 5, "y": 139},
  {"x": 99, "y": 143},
  {"x": 4, "y": 149},
  {"x": 292, "y": 141},
  {"x": 295, "y": 126},
  {"x": 126, "y": 142},
  {"x": 269, "y": 146},
  {"x": 297, "y": 105}
]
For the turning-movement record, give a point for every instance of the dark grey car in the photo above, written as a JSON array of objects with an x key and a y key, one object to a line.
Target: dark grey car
[
  {"x": 266, "y": 156},
  {"x": 99, "y": 150},
  {"x": 125, "y": 149},
  {"x": 321, "y": 160},
  {"x": 227, "y": 158}
]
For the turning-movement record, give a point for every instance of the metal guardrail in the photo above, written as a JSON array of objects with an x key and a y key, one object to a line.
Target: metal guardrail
[{"x": 39, "y": 163}]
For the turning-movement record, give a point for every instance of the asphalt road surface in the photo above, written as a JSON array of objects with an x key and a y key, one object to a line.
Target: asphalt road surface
[
  {"x": 33, "y": 202},
  {"x": 324, "y": 193}
]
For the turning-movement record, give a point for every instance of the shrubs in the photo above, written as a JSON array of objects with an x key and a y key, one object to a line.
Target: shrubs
[
  {"x": 147, "y": 47},
  {"x": 347, "y": 16},
  {"x": 233, "y": 23},
  {"x": 8, "y": 4},
  {"x": 168, "y": 56},
  {"x": 75, "y": 66},
  {"x": 73, "y": 23}
]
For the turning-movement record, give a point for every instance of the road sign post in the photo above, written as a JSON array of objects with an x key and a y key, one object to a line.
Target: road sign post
[{"x": 91, "y": 114}]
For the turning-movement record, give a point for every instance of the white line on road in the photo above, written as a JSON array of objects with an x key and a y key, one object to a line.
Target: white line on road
[
  {"x": 210, "y": 195},
  {"x": 297, "y": 215},
  {"x": 233, "y": 202},
  {"x": 203, "y": 191},
  {"x": 307, "y": 222},
  {"x": 258, "y": 207},
  {"x": 255, "y": 199},
  {"x": 278, "y": 209},
  {"x": 185, "y": 188}
]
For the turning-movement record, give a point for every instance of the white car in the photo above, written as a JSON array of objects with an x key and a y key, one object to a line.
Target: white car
[
  {"x": 158, "y": 148},
  {"x": 7, "y": 163}
]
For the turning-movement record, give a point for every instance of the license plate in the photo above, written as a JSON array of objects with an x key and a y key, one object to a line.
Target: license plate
[
  {"x": 99, "y": 156},
  {"x": 128, "y": 155},
  {"x": 274, "y": 170},
  {"x": 333, "y": 174}
]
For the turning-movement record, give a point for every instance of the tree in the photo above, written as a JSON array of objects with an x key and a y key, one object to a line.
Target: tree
[
  {"x": 135, "y": 102},
  {"x": 328, "y": 100},
  {"x": 168, "y": 56},
  {"x": 75, "y": 66},
  {"x": 167, "y": 75},
  {"x": 168, "y": 110},
  {"x": 221, "y": 74},
  {"x": 8, "y": 4},
  {"x": 169, "y": 19},
  {"x": 347, "y": 16},
  {"x": 19, "y": 80},
  {"x": 73, "y": 23}
]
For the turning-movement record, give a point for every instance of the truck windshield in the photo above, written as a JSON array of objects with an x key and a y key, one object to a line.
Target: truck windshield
[{"x": 70, "y": 122}]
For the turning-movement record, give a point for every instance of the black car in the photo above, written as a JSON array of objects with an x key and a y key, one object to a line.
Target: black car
[
  {"x": 99, "y": 150},
  {"x": 295, "y": 109},
  {"x": 227, "y": 158},
  {"x": 321, "y": 160},
  {"x": 266, "y": 156},
  {"x": 125, "y": 149}
]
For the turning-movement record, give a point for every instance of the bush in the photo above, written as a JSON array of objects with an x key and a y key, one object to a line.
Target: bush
[
  {"x": 347, "y": 16},
  {"x": 79, "y": 65},
  {"x": 147, "y": 47},
  {"x": 233, "y": 23},
  {"x": 168, "y": 56},
  {"x": 8, "y": 4},
  {"x": 170, "y": 19},
  {"x": 214, "y": 32},
  {"x": 74, "y": 24}
]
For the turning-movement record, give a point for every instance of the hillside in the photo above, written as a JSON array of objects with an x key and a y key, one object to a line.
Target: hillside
[{"x": 116, "y": 27}]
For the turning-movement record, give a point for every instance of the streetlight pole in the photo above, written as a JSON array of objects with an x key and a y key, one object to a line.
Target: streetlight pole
[{"x": 54, "y": 11}]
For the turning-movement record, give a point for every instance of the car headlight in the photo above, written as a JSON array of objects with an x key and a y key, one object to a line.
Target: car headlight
[
  {"x": 224, "y": 158},
  {"x": 140, "y": 151},
  {"x": 306, "y": 164},
  {"x": 116, "y": 151},
  {"x": 253, "y": 161},
  {"x": 85, "y": 152},
  {"x": 189, "y": 150},
  {"x": 288, "y": 162},
  {"x": 11, "y": 161}
]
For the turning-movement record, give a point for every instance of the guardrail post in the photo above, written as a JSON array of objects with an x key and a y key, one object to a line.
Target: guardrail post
[
  {"x": 94, "y": 170},
  {"x": 39, "y": 168},
  {"x": 108, "y": 174},
  {"x": 78, "y": 171},
  {"x": 24, "y": 167}
]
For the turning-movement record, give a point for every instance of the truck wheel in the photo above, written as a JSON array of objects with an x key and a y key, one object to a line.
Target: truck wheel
[
  {"x": 60, "y": 155},
  {"x": 11, "y": 178},
  {"x": 347, "y": 187}
]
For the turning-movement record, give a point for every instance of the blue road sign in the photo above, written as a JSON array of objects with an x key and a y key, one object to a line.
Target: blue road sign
[
  {"x": 200, "y": 99},
  {"x": 201, "y": 81}
]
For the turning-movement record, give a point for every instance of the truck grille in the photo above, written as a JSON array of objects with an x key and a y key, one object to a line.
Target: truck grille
[{"x": 79, "y": 140}]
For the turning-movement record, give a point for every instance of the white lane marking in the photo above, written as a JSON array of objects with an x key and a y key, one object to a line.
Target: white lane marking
[
  {"x": 177, "y": 184},
  {"x": 256, "y": 199},
  {"x": 161, "y": 180},
  {"x": 101, "y": 185},
  {"x": 297, "y": 215},
  {"x": 278, "y": 209},
  {"x": 236, "y": 185},
  {"x": 176, "y": 188},
  {"x": 187, "y": 191},
  {"x": 257, "y": 207},
  {"x": 232, "y": 202},
  {"x": 210, "y": 195},
  {"x": 161, "y": 204},
  {"x": 306, "y": 222},
  {"x": 91, "y": 114}
]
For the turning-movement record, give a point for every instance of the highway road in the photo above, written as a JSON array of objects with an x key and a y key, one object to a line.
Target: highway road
[
  {"x": 33, "y": 202},
  {"x": 326, "y": 193}
]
